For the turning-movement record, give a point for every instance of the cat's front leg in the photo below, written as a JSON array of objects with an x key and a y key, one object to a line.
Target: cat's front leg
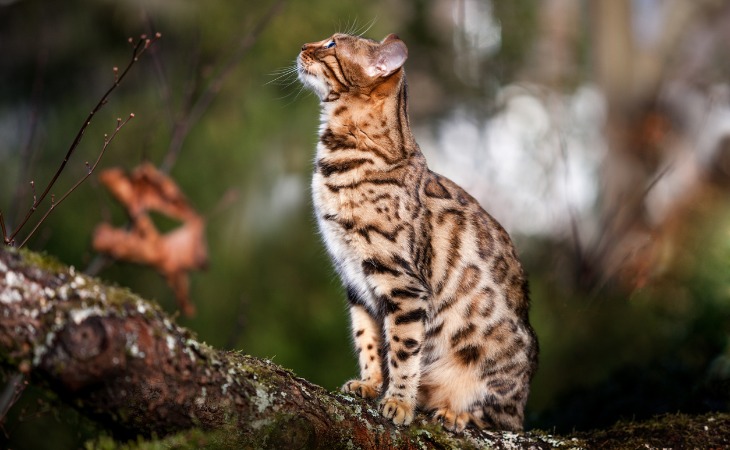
[
  {"x": 366, "y": 336},
  {"x": 404, "y": 331}
]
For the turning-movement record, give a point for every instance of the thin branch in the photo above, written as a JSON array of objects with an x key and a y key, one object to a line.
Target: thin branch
[
  {"x": 89, "y": 171},
  {"x": 13, "y": 389},
  {"x": 601, "y": 248},
  {"x": 4, "y": 231},
  {"x": 563, "y": 147},
  {"x": 138, "y": 49},
  {"x": 159, "y": 69},
  {"x": 26, "y": 152},
  {"x": 194, "y": 109},
  {"x": 201, "y": 105}
]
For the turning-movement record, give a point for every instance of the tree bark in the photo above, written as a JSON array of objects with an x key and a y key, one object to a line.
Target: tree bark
[{"x": 122, "y": 361}]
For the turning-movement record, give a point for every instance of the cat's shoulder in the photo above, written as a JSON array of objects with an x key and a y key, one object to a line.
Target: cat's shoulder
[{"x": 440, "y": 187}]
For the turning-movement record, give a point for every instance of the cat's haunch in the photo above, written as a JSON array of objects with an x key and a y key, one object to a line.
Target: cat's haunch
[{"x": 437, "y": 296}]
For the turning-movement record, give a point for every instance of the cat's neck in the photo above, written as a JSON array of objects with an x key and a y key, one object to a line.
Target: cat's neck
[{"x": 377, "y": 119}]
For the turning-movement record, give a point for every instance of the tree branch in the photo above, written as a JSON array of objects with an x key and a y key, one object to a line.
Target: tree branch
[
  {"x": 138, "y": 49},
  {"x": 122, "y": 361}
]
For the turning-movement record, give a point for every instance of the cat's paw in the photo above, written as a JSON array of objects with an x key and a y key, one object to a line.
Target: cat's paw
[
  {"x": 364, "y": 389},
  {"x": 451, "y": 420},
  {"x": 399, "y": 411}
]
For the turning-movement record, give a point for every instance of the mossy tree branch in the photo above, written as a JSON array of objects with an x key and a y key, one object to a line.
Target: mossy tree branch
[{"x": 122, "y": 361}]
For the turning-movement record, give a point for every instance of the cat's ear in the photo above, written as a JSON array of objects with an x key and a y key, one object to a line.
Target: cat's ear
[{"x": 390, "y": 56}]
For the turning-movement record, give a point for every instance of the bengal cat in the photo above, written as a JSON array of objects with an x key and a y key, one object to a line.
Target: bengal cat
[{"x": 437, "y": 297}]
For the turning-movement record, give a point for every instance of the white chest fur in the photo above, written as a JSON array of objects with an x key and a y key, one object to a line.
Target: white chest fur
[{"x": 343, "y": 249}]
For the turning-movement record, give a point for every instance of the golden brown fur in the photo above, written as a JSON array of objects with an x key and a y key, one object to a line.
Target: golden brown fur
[{"x": 438, "y": 299}]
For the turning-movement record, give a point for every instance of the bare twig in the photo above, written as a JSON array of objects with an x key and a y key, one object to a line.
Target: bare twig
[
  {"x": 89, "y": 170},
  {"x": 575, "y": 234},
  {"x": 13, "y": 389},
  {"x": 138, "y": 49},
  {"x": 200, "y": 106},
  {"x": 26, "y": 152},
  {"x": 193, "y": 109},
  {"x": 2, "y": 227},
  {"x": 165, "y": 92}
]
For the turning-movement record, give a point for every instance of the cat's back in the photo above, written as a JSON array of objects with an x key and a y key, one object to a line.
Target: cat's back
[
  {"x": 478, "y": 337},
  {"x": 477, "y": 280},
  {"x": 471, "y": 238}
]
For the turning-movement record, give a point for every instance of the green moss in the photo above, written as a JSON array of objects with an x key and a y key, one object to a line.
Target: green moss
[
  {"x": 41, "y": 261},
  {"x": 671, "y": 430},
  {"x": 190, "y": 439},
  {"x": 427, "y": 434}
]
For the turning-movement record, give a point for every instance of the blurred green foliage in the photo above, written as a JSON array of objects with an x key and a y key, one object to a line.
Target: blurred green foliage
[{"x": 270, "y": 290}]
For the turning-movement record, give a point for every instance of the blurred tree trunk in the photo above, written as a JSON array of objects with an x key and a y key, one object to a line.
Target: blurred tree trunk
[
  {"x": 123, "y": 362},
  {"x": 632, "y": 60},
  {"x": 552, "y": 59},
  {"x": 635, "y": 54},
  {"x": 627, "y": 166}
]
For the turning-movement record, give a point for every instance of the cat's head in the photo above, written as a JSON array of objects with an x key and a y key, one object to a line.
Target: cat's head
[{"x": 349, "y": 64}]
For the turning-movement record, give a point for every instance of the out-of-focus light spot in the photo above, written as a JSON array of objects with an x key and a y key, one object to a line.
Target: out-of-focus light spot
[{"x": 533, "y": 165}]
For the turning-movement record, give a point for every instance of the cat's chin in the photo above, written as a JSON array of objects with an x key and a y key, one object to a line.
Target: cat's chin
[
  {"x": 314, "y": 83},
  {"x": 319, "y": 87}
]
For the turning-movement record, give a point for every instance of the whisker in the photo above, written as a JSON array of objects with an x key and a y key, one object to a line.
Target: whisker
[
  {"x": 354, "y": 29},
  {"x": 351, "y": 27},
  {"x": 368, "y": 27},
  {"x": 284, "y": 70},
  {"x": 289, "y": 68},
  {"x": 283, "y": 80},
  {"x": 339, "y": 27},
  {"x": 296, "y": 96},
  {"x": 284, "y": 76}
]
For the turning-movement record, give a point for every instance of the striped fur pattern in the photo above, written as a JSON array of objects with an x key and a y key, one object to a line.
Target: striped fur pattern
[{"x": 438, "y": 299}]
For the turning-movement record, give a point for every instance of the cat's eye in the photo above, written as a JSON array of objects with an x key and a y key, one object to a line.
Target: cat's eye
[{"x": 329, "y": 44}]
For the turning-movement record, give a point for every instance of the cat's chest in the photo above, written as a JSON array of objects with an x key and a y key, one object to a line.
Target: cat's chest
[
  {"x": 347, "y": 213},
  {"x": 359, "y": 222},
  {"x": 365, "y": 203}
]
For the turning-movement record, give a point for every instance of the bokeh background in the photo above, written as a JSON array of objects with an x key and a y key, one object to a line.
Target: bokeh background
[{"x": 597, "y": 132}]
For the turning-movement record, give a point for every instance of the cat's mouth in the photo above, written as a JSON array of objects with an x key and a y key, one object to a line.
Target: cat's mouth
[{"x": 312, "y": 80}]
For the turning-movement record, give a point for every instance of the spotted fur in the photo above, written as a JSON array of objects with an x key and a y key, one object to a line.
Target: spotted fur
[{"x": 438, "y": 299}]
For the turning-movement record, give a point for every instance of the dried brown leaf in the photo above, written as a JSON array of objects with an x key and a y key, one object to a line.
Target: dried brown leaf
[{"x": 173, "y": 254}]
